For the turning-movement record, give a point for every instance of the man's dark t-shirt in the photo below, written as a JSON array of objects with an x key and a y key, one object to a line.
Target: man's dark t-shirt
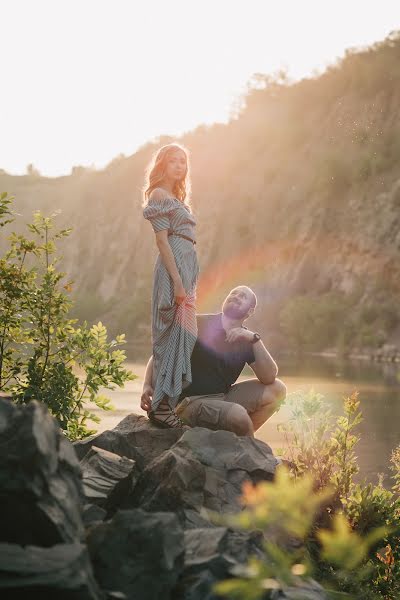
[{"x": 216, "y": 364}]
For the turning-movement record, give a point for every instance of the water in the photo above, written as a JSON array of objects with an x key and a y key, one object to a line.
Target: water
[
  {"x": 378, "y": 385},
  {"x": 379, "y": 393}
]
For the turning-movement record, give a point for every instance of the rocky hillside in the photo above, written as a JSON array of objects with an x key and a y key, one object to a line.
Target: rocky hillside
[{"x": 299, "y": 194}]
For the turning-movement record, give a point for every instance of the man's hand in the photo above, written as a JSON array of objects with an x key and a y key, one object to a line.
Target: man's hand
[
  {"x": 239, "y": 333},
  {"x": 145, "y": 399}
]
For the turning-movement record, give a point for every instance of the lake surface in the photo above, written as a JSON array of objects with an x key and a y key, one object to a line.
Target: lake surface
[
  {"x": 378, "y": 385},
  {"x": 379, "y": 393}
]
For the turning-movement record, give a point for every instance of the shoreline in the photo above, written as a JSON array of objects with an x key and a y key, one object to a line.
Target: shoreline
[
  {"x": 388, "y": 354},
  {"x": 377, "y": 356}
]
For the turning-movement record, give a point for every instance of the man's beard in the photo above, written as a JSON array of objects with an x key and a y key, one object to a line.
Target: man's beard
[{"x": 233, "y": 311}]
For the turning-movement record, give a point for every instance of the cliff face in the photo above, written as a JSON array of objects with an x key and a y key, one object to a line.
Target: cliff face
[{"x": 298, "y": 194}]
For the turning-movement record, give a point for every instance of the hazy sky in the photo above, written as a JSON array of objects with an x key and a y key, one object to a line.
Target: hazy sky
[{"x": 85, "y": 80}]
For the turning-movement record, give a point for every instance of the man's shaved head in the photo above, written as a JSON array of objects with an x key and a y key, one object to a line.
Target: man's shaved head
[{"x": 239, "y": 302}]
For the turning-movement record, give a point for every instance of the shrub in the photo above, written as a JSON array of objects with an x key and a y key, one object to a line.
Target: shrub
[
  {"x": 45, "y": 355},
  {"x": 317, "y": 522}
]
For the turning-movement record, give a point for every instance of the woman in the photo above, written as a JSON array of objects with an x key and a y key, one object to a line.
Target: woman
[{"x": 174, "y": 329}]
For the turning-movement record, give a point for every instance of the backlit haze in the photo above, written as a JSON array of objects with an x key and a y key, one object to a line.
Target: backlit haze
[{"x": 86, "y": 80}]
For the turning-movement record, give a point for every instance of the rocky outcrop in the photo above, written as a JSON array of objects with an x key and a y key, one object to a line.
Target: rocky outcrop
[
  {"x": 107, "y": 478},
  {"x": 138, "y": 553},
  {"x": 134, "y": 519},
  {"x": 40, "y": 482},
  {"x": 134, "y": 437},
  {"x": 41, "y": 496},
  {"x": 62, "y": 571}
]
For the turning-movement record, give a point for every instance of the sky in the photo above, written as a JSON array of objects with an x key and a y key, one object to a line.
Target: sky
[{"x": 83, "y": 81}]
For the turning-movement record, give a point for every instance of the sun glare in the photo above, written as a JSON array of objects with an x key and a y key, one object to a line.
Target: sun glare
[{"x": 89, "y": 81}]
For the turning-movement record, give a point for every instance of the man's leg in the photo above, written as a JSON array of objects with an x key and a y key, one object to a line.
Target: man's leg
[
  {"x": 215, "y": 412},
  {"x": 260, "y": 401}
]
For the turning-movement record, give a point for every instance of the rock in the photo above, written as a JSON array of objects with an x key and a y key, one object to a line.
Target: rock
[
  {"x": 40, "y": 479},
  {"x": 191, "y": 519},
  {"x": 310, "y": 590},
  {"x": 210, "y": 554},
  {"x": 203, "y": 545},
  {"x": 62, "y": 571},
  {"x": 173, "y": 482},
  {"x": 140, "y": 554},
  {"x": 93, "y": 514},
  {"x": 134, "y": 437},
  {"x": 203, "y": 469},
  {"x": 227, "y": 451},
  {"x": 107, "y": 478}
]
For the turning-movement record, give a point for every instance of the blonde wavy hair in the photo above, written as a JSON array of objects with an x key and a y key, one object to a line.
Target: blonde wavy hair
[{"x": 156, "y": 170}]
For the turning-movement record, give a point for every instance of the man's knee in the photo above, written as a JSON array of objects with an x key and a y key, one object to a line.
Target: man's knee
[
  {"x": 238, "y": 420},
  {"x": 274, "y": 394}
]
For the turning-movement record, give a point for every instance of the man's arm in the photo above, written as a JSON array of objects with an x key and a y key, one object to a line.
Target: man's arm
[
  {"x": 147, "y": 390},
  {"x": 264, "y": 365}
]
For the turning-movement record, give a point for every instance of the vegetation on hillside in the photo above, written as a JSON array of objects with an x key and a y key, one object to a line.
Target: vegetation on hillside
[{"x": 297, "y": 196}]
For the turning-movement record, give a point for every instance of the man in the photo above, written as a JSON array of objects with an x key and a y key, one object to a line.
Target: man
[{"x": 223, "y": 347}]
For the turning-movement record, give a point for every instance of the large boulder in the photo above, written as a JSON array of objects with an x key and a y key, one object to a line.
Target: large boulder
[
  {"x": 160, "y": 487},
  {"x": 62, "y": 571},
  {"x": 40, "y": 479},
  {"x": 41, "y": 495},
  {"x": 203, "y": 469},
  {"x": 134, "y": 437},
  {"x": 107, "y": 478},
  {"x": 138, "y": 553},
  {"x": 210, "y": 554},
  {"x": 174, "y": 481}
]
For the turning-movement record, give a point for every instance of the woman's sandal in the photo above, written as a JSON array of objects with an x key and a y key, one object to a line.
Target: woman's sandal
[{"x": 169, "y": 419}]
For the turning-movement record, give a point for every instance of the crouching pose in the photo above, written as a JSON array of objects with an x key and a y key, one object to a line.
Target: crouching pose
[{"x": 223, "y": 347}]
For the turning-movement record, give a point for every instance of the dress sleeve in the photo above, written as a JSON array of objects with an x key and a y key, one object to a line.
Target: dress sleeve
[{"x": 157, "y": 212}]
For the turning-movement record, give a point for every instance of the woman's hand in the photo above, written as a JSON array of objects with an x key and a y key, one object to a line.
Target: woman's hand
[
  {"x": 147, "y": 394},
  {"x": 179, "y": 292}
]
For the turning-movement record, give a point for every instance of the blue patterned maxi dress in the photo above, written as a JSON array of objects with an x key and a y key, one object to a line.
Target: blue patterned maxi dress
[{"x": 174, "y": 328}]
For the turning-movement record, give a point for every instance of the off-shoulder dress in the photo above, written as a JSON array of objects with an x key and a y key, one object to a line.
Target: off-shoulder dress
[{"x": 174, "y": 329}]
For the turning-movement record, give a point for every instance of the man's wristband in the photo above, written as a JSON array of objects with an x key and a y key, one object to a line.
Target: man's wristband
[{"x": 256, "y": 338}]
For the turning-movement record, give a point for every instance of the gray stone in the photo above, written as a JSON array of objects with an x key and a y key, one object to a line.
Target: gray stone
[
  {"x": 40, "y": 478},
  {"x": 107, "y": 478},
  {"x": 134, "y": 437},
  {"x": 203, "y": 469},
  {"x": 62, "y": 571},
  {"x": 306, "y": 590},
  {"x": 172, "y": 482},
  {"x": 227, "y": 451},
  {"x": 93, "y": 514},
  {"x": 140, "y": 554},
  {"x": 210, "y": 556},
  {"x": 192, "y": 519}
]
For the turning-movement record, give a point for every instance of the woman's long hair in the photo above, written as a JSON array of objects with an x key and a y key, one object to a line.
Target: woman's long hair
[{"x": 156, "y": 170}]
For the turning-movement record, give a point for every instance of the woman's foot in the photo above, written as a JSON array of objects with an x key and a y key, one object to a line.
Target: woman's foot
[{"x": 164, "y": 416}]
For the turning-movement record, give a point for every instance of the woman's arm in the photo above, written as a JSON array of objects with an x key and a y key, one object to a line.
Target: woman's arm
[{"x": 170, "y": 264}]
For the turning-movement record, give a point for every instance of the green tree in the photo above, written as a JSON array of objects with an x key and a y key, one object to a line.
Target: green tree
[{"x": 45, "y": 355}]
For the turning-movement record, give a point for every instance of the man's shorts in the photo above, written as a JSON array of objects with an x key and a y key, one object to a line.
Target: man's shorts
[{"x": 212, "y": 410}]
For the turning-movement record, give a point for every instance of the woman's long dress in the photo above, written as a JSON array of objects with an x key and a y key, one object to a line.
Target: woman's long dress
[{"x": 174, "y": 328}]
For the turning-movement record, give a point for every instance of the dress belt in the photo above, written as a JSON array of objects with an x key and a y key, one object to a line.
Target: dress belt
[{"x": 185, "y": 237}]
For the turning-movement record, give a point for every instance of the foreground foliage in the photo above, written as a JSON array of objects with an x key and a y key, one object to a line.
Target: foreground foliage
[
  {"x": 45, "y": 355},
  {"x": 318, "y": 522}
]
